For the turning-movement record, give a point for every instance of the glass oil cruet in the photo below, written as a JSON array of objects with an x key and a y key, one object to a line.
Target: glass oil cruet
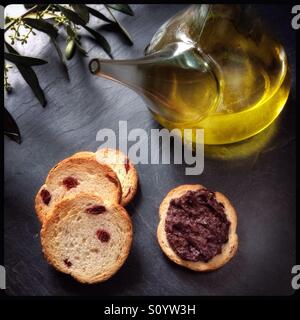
[{"x": 210, "y": 66}]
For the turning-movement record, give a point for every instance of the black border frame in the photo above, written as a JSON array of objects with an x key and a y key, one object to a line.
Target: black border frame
[{"x": 144, "y": 301}]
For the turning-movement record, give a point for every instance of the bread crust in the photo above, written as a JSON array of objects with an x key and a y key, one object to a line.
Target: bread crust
[
  {"x": 60, "y": 211},
  {"x": 128, "y": 180},
  {"x": 82, "y": 158},
  {"x": 82, "y": 154},
  {"x": 38, "y": 205},
  {"x": 228, "y": 250}
]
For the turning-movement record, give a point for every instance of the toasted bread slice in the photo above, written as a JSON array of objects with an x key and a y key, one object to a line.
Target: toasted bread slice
[
  {"x": 124, "y": 169},
  {"x": 78, "y": 173},
  {"x": 228, "y": 249},
  {"x": 86, "y": 238}
]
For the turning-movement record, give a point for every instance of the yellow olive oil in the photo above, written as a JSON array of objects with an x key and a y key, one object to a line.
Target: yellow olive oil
[
  {"x": 213, "y": 67},
  {"x": 239, "y": 87}
]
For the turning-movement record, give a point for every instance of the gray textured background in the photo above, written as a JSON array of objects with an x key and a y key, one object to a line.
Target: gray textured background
[{"x": 261, "y": 186}]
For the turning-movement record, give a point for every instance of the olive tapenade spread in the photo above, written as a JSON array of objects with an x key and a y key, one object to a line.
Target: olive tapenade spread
[{"x": 196, "y": 225}]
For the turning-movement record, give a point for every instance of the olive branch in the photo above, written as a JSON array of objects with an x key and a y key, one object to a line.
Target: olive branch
[{"x": 50, "y": 19}]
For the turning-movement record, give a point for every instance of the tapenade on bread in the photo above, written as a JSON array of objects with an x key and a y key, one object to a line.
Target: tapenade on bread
[{"x": 197, "y": 228}]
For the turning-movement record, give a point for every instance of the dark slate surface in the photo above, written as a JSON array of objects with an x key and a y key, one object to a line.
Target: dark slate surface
[{"x": 261, "y": 186}]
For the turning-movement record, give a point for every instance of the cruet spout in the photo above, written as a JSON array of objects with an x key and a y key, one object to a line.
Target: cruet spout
[{"x": 170, "y": 81}]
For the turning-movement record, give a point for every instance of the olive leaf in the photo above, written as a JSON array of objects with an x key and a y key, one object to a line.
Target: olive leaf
[
  {"x": 98, "y": 15},
  {"x": 38, "y": 8},
  {"x": 71, "y": 15},
  {"x": 28, "y": 6},
  {"x": 124, "y": 8},
  {"x": 119, "y": 27},
  {"x": 100, "y": 39},
  {"x": 29, "y": 76},
  {"x": 42, "y": 25},
  {"x": 79, "y": 47},
  {"x": 52, "y": 32},
  {"x": 82, "y": 11},
  {"x": 115, "y": 27},
  {"x": 61, "y": 57},
  {"x": 11, "y": 128},
  {"x": 16, "y": 58}
]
